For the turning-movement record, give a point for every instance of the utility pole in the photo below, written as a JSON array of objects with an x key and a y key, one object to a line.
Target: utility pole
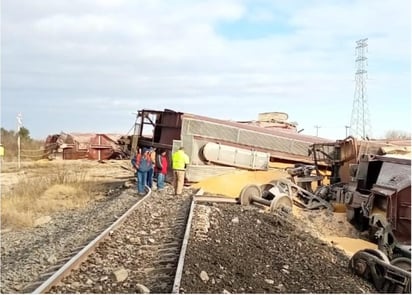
[
  {"x": 346, "y": 130},
  {"x": 317, "y": 129},
  {"x": 19, "y": 125},
  {"x": 360, "y": 121}
]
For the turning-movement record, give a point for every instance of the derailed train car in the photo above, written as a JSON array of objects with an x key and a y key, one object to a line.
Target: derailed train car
[
  {"x": 382, "y": 202},
  {"x": 217, "y": 146},
  {"x": 378, "y": 199},
  {"x": 369, "y": 183},
  {"x": 381, "y": 186}
]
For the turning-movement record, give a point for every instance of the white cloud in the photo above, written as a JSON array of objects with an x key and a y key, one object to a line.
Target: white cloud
[{"x": 168, "y": 54}]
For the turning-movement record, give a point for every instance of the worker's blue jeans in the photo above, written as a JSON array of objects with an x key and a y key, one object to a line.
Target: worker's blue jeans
[
  {"x": 141, "y": 181},
  {"x": 150, "y": 177},
  {"x": 161, "y": 181}
]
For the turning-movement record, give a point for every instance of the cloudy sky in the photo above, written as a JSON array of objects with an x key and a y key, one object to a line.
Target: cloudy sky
[{"x": 88, "y": 65}]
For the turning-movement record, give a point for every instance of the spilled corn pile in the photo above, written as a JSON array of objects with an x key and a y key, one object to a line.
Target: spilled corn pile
[{"x": 231, "y": 184}]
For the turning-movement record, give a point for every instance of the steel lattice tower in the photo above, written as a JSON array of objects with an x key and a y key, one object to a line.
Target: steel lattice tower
[{"x": 360, "y": 121}]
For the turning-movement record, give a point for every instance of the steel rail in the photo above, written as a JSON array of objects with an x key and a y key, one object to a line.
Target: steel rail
[
  {"x": 181, "y": 262},
  {"x": 216, "y": 199},
  {"x": 199, "y": 197},
  {"x": 83, "y": 254}
]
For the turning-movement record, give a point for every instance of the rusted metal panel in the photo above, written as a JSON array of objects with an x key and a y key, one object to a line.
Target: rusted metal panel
[
  {"x": 72, "y": 154},
  {"x": 169, "y": 127},
  {"x": 165, "y": 125},
  {"x": 85, "y": 146},
  {"x": 399, "y": 214},
  {"x": 278, "y": 144},
  {"x": 397, "y": 160},
  {"x": 394, "y": 183},
  {"x": 384, "y": 191},
  {"x": 279, "y": 133},
  {"x": 394, "y": 175},
  {"x": 100, "y": 154},
  {"x": 101, "y": 147}
]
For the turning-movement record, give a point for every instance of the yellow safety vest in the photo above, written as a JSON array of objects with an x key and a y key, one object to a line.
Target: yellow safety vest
[
  {"x": 179, "y": 160},
  {"x": 1, "y": 151}
]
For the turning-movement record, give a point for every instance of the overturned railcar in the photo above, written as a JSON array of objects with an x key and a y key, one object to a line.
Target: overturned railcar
[
  {"x": 216, "y": 146},
  {"x": 381, "y": 185},
  {"x": 91, "y": 146}
]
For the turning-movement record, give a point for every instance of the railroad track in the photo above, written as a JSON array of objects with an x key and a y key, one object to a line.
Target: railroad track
[{"x": 142, "y": 251}]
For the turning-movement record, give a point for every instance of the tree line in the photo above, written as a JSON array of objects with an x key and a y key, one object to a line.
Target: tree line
[
  {"x": 397, "y": 135},
  {"x": 8, "y": 139}
]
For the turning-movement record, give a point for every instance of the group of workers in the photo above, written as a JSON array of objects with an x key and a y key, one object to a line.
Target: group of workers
[{"x": 150, "y": 163}]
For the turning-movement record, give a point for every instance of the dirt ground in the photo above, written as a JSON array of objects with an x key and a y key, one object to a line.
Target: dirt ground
[
  {"x": 245, "y": 250},
  {"x": 94, "y": 171}
]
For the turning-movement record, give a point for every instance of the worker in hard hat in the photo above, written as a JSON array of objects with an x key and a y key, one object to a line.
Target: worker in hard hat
[{"x": 179, "y": 162}]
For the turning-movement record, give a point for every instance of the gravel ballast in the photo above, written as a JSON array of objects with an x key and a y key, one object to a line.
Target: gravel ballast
[{"x": 245, "y": 250}]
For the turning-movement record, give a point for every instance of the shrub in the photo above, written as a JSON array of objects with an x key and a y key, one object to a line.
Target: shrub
[
  {"x": 62, "y": 188},
  {"x": 30, "y": 149}
]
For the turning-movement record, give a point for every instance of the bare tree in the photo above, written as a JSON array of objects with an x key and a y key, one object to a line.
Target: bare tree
[{"x": 397, "y": 134}]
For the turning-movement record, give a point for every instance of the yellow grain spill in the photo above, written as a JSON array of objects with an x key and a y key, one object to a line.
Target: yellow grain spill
[
  {"x": 376, "y": 210},
  {"x": 339, "y": 207},
  {"x": 350, "y": 245},
  {"x": 296, "y": 210},
  {"x": 333, "y": 229},
  {"x": 231, "y": 184}
]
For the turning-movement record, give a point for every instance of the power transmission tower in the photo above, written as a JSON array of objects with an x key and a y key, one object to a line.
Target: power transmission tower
[{"x": 360, "y": 120}]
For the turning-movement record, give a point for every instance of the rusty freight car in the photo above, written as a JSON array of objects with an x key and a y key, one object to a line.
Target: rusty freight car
[
  {"x": 216, "y": 146},
  {"x": 92, "y": 146}
]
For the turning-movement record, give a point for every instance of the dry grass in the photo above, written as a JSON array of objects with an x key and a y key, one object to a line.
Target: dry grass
[{"x": 52, "y": 190}]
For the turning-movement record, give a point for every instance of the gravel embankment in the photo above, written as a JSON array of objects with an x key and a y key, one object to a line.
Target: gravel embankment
[{"x": 244, "y": 250}]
